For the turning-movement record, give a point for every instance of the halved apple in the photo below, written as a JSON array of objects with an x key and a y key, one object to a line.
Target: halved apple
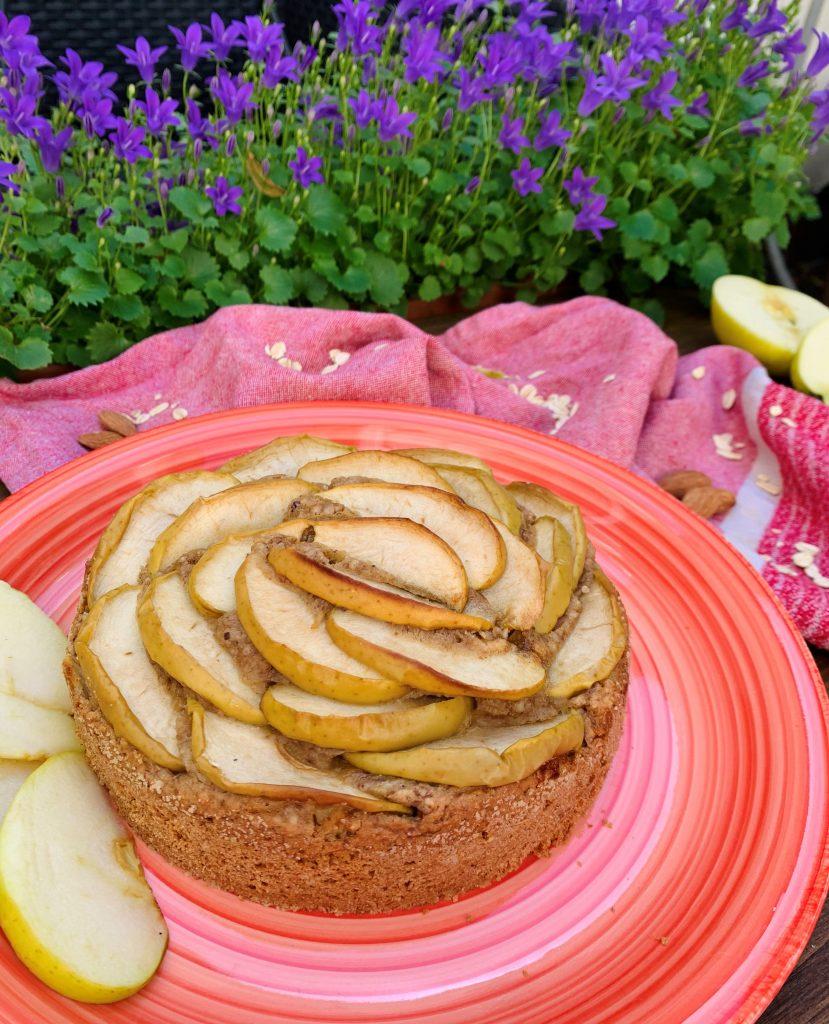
[
  {"x": 133, "y": 699},
  {"x": 125, "y": 545},
  {"x": 246, "y": 759},
  {"x": 437, "y": 663},
  {"x": 74, "y": 902},
  {"x": 552, "y": 542},
  {"x": 517, "y": 598},
  {"x": 481, "y": 490},
  {"x": 379, "y": 600},
  {"x": 241, "y": 509},
  {"x": 541, "y": 502},
  {"x": 374, "y": 465},
  {"x": 444, "y": 457},
  {"x": 407, "y": 551},
  {"x": 29, "y": 732},
  {"x": 181, "y": 641},
  {"x": 593, "y": 649},
  {"x": 283, "y": 456},
  {"x": 467, "y": 531},
  {"x": 391, "y": 726},
  {"x": 287, "y": 627},
  {"x": 810, "y": 367},
  {"x": 12, "y": 776},
  {"x": 485, "y": 755},
  {"x": 32, "y": 648}
]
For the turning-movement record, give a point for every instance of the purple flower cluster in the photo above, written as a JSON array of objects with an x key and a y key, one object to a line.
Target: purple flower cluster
[
  {"x": 590, "y": 216},
  {"x": 225, "y": 196}
]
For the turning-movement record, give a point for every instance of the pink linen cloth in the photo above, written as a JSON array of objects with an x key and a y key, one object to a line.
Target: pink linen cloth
[{"x": 590, "y": 371}]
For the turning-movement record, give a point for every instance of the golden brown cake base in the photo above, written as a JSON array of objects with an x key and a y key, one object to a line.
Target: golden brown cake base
[{"x": 298, "y": 856}]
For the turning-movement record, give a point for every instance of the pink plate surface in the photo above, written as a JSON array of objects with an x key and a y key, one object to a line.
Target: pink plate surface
[{"x": 686, "y": 896}]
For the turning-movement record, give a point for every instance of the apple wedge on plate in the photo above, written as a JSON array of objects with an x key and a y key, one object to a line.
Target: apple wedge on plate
[
  {"x": 379, "y": 600},
  {"x": 541, "y": 502},
  {"x": 592, "y": 650},
  {"x": 12, "y": 776},
  {"x": 481, "y": 490},
  {"x": 444, "y": 457},
  {"x": 283, "y": 457},
  {"x": 246, "y": 759},
  {"x": 517, "y": 598},
  {"x": 181, "y": 641},
  {"x": 133, "y": 699},
  {"x": 485, "y": 755},
  {"x": 29, "y": 732},
  {"x": 242, "y": 509},
  {"x": 74, "y": 902},
  {"x": 467, "y": 531},
  {"x": 552, "y": 542},
  {"x": 32, "y": 648},
  {"x": 287, "y": 627},
  {"x": 374, "y": 465},
  {"x": 126, "y": 543},
  {"x": 391, "y": 726},
  {"x": 451, "y": 664}
]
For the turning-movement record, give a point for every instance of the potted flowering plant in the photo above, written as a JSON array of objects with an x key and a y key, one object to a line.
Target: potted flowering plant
[{"x": 425, "y": 148}]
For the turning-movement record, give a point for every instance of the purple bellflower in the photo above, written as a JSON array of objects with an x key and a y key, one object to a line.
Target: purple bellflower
[
  {"x": 357, "y": 28},
  {"x": 422, "y": 54},
  {"x": 160, "y": 114},
  {"x": 753, "y": 74},
  {"x": 660, "y": 98},
  {"x": 551, "y": 133},
  {"x": 18, "y": 111},
  {"x": 128, "y": 141},
  {"x": 699, "y": 106},
  {"x": 259, "y": 38},
  {"x": 234, "y": 94},
  {"x": 222, "y": 39},
  {"x": 616, "y": 83},
  {"x": 364, "y": 107},
  {"x": 190, "y": 45},
  {"x": 52, "y": 147},
  {"x": 393, "y": 123},
  {"x": 143, "y": 57},
  {"x": 83, "y": 77},
  {"x": 591, "y": 217},
  {"x": 820, "y": 58},
  {"x": 512, "y": 135},
  {"x": 526, "y": 178},
  {"x": 307, "y": 169},
  {"x": 7, "y": 172},
  {"x": 225, "y": 196}
]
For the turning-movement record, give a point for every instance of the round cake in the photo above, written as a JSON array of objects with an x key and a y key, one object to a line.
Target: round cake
[{"x": 348, "y": 681}]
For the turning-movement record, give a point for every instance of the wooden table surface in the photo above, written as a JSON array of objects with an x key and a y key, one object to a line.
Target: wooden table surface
[{"x": 804, "y": 998}]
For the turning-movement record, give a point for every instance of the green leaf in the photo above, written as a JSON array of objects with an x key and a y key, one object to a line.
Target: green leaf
[
  {"x": 699, "y": 232},
  {"x": 629, "y": 171},
  {"x": 239, "y": 259},
  {"x": 127, "y": 282},
  {"x": 383, "y": 241},
  {"x": 419, "y": 166},
  {"x": 200, "y": 266},
  {"x": 652, "y": 308},
  {"x": 641, "y": 224},
  {"x": 136, "y": 236},
  {"x": 30, "y": 353},
  {"x": 594, "y": 276},
  {"x": 86, "y": 259},
  {"x": 355, "y": 281},
  {"x": 442, "y": 182},
  {"x": 656, "y": 266},
  {"x": 125, "y": 307},
  {"x": 173, "y": 266},
  {"x": 176, "y": 241},
  {"x": 666, "y": 210},
  {"x": 187, "y": 306},
  {"x": 276, "y": 230},
  {"x": 326, "y": 212},
  {"x": 756, "y": 229},
  {"x": 365, "y": 214},
  {"x": 560, "y": 223},
  {"x": 430, "y": 288},
  {"x": 37, "y": 298},
  {"x": 700, "y": 173},
  {"x": 472, "y": 259},
  {"x": 279, "y": 285},
  {"x": 191, "y": 203},
  {"x": 86, "y": 288},
  {"x": 711, "y": 265},
  {"x": 387, "y": 279},
  {"x": 105, "y": 341}
]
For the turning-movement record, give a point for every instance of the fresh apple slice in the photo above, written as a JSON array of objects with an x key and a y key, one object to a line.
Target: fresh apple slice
[
  {"x": 593, "y": 649},
  {"x": 246, "y": 759},
  {"x": 810, "y": 367},
  {"x": 552, "y": 542},
  {"x": 74, "y": 903},
  {"x": 485, "y": 755},
  {"x": 133, "y": 699},
  {"x": 437, "y": 663},
  {"x": 766, "y": 320},
  {"x": 444, "y": 457},
  {"x": 287, "y": 627},
  {"x": 481, "y": 490},
  {"x": 541, "y": 502},
  {"x": 29, "y": 732},
  {"x": 421, "y": 562},
  {"x": 12, "y": 776},
  {"x": 212, "y": 580},
  {"x": 181, "y": 641},
  {"x": 517, "y": 598},
  {"x": 283, "y": 456},
  {"x": 374, "y": 465},
  {"x": 32, "y": 648},
  {"x": 379, "y": 600},
  {"x": 241, "y": 509},
  {"x": 467, "y": 531},
  {"x": 391, "y": 726},
  {"x": 125, "y": 545}
]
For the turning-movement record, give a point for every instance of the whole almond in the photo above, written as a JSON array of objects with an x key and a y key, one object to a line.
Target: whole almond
[
  {"x": 681, "y": 481},
  {"x": 117, "y": 422},
  {"x": 98, "y": 439},
  {"x": 708, "y": 501}
]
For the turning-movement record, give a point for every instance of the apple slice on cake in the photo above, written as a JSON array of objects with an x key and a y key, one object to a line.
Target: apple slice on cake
[
  {"x": 485, "y": 755},
  {"x": 552, "y": 542},
  {"x": 481, "y": 490},
  {"x": 444, "y": 457},
  {"x": 283, "y": 457},
  {"x": 373, "y": 465},
  {"x": 517, "y": 598},
  {"x": 541, "y": 502}
]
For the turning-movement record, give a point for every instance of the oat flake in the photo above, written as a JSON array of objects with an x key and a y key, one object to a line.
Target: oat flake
[
  {"x": 610, "y": 377},
  {"x": 728, "y": 399},
  {"x": 776, "y": 410},
  {"x": 179, "y": 413},
  {"x": 698, "y": 372}
]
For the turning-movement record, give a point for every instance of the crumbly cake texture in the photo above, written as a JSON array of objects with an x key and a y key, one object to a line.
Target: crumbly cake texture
[{"x": 338, "y": 859}]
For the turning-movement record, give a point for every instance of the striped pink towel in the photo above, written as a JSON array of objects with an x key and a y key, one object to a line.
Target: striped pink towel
[{"x": 590, "y": 371}]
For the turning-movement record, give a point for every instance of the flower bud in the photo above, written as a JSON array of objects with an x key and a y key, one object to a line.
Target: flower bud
[
  {"x": 230, "y": 145},
  {"x": 266, "y": 166},
  {"x": 131, "y": 91},
  {"x": 118, "y": 264},
  {"x": 60, "y": 187},
  {"x": 166, "y": 81},
  {"x": 277, "y": 128},
  {"x": 102, "y": 218},
  {"x": 190, "y": 177},
  {"x": 198, "y": 146},
  {"x": 249, "y": 137},
  {"x": 255, "y": 249}
]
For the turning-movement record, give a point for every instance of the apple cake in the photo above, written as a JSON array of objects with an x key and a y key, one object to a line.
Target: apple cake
[{"x": 348, "y": 681}]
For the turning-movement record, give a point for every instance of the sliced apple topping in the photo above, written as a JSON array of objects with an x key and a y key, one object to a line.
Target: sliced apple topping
[
  {"x": 245, "y": 759},
  {"x": 444, "y": 457},
  {"x": 481, "y": 490},
  {"x": 132, "y": 697},
  {"x": 379, "y": 600},
  {"x": 417, "y": 558},
  {"x": 467, "y": 531},
  {"x": 593, "y": 649},
  {"x": 374, "y": 465},
  {"x": 449, "y": 663},
  {"x": 552, "y": 542},
  {"x": 242, "y": 509},
  {"x": 391, "y": 726},
  {"x": 287, "y": 627},
  {"x": 485, "y": 755},
  {"x": 212, "y": 580},
  {"x": 125, "y": 545},
  {"x": 283, "y": 456},
  {"x": 74, "y": 902},
  {"x": 29, "y": 732},
  {"x": 32, "y": 648},
  {"x": 541, "y": 502},
  {"x": 517, "y": 598},
  {"x": 181, "y": 641}
]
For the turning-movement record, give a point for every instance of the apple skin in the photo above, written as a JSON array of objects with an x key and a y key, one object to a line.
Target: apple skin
[
  {"x": 558, "y": 581},
  {"x": 810, "y": 366}
]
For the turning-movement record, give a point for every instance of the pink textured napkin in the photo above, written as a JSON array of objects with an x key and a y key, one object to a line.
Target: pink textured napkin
[{"x": 590, "y": 371}]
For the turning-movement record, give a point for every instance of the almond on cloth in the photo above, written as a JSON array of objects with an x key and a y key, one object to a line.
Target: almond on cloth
[
  {"x": 681, "y": 481},
  {"x": 98, "y": 439},
  {"x": 117, "y": 422},
  {"x": 708, "y": 501}
]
